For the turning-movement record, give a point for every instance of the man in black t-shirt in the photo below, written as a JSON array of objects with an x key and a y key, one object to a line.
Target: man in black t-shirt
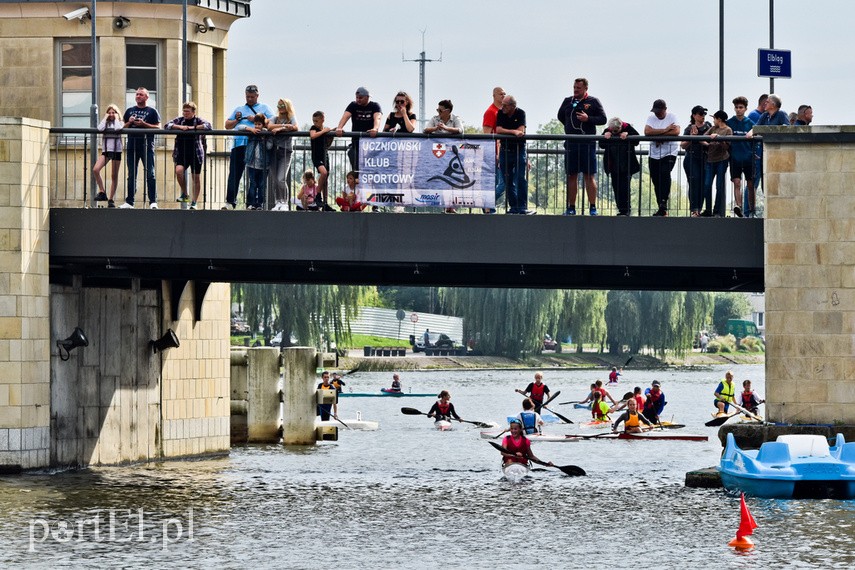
[
  {"x": 141, "y": 147},
  {"x": 512, "y": 155},
  {"x": 364, "y": 116}
]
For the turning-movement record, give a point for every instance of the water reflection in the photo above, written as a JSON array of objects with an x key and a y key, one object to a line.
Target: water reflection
[{"x": 407, "y": 496}]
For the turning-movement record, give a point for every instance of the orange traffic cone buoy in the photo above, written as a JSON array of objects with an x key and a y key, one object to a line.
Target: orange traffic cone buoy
[{"x": 746, "y": 527}]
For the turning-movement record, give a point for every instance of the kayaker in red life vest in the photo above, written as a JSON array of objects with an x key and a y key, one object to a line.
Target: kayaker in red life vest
[
  {"x": 639, "y": 398},
  {"x": 443, "y": 409},
  {"x": 396, "y": 383},
  {"x": 537, "y": 391},
  {"x": 613, "y": 375},
  {"x": 518, "y": 446},
  {"x": 631, "y": 419},
  {"x": 603, "y": 392},
  {"x": 655, "y": 402},
  {"x": 748, "y": 398}
]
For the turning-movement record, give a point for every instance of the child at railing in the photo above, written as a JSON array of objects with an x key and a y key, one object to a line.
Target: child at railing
[
  {"x": 257, "y": 163},
  {"x": 348, "y": 201},
  {"x": 309, "y": 193},
  {"x": 320, "y": 141},
  {"x": 111, "y": 150}
]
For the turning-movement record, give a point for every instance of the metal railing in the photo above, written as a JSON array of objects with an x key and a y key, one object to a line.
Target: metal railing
[{"x": 72, "y": 183}]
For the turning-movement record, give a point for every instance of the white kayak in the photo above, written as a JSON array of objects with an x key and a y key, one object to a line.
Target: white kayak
[
  {"x": 352, "y": 423},
  {"x": 536, "y": 437},
  {"x": 442, "y": 425},
  {"x": 515, "y": 472}
]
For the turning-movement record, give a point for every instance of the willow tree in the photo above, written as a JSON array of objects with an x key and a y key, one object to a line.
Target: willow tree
[
  {"x": 309, "y": 312},
  {"x": 505, "y": 322},
  {"x": 623, "y": 321},
  {"x": 582, "y": 316}
]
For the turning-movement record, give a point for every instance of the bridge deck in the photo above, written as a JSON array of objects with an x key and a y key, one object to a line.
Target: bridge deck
[{"x": 110, "y": 246}]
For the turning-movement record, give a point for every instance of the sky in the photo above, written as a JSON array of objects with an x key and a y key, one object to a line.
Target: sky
[{"x": 317, "y": 52}]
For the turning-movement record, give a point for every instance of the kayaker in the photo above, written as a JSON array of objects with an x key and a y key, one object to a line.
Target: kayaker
[
  {"x": 531, "y": 420},
  {"x": 443, "y": 409},
  {"x": 631, "y": 419},
  {"x": 603, "y": 392},
  {"x": 613, "y": 375},
  {"x": 599, "y": 409},
  {"x": 655, "y": 402},
  {"x": 724, "y": 393},
  {"x": 622, "y": 403},
  {"x": 324, "y": 410},
  {"x": 518, "y": 446},
  {"x": 590, "y": 397},
  {"x": 748, "y": 398},
  {"x": 396, "y": 383},
  {"x": 639, "y": 397},
  {"x": 537, "y": 391},
  {"x": 337, "y": 383}
]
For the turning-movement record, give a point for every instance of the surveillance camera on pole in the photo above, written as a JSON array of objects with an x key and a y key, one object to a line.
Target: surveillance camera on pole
[{"x": 79, "y": 14}]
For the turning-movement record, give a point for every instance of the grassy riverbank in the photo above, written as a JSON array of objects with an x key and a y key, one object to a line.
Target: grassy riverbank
[{"x": 545, "y": 361}]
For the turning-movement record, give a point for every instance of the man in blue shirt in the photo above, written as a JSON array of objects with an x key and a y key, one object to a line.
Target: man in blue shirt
[
  {"x": 242, "y": 119},
  {"x": 741, "y": 157}
]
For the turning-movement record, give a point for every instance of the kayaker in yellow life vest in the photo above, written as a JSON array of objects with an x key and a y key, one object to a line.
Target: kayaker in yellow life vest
[
  {"x": 724, "y": 393},
  {"x": 599, "y": 409},
  {"x": 631, "y": 419}
]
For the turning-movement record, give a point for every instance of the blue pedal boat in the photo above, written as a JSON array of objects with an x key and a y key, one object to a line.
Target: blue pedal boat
[{"x": 792, "y": 467}]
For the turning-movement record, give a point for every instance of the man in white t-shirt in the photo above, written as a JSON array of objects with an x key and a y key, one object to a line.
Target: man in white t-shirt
[{"x": 663, "y": 155}]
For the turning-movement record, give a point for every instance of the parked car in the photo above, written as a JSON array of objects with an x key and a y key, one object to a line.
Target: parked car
[
  {"x": 277, "y": 339},
  {"x": 437, "y": 340},
  {"x": 239, "y": 326},
  {"x": 549, "y": 343}
]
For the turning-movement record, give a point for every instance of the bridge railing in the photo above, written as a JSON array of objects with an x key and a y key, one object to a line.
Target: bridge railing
[{"x": 73, "y": 186}]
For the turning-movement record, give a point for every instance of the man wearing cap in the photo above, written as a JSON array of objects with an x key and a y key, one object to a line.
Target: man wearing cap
[
  {"x": 655, "y": 402},
  {"x": 242, "y": 119},
  {"x": 580, "y": 115},
  {"x": 663, "y": 155},
  {"x": 364, "y": 116}
]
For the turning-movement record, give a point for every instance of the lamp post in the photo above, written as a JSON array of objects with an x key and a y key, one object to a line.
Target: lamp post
[
  {"x": 93, "y": 112},
  {"x": 184, "y": 54},
  {"x": 771, "y": 39},
  {"x": 721, "y": 54}
]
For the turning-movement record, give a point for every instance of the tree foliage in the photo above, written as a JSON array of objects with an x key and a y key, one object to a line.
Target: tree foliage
[
  {"x": 582, "y": 316},
  {"x": 729, "y": 306}
]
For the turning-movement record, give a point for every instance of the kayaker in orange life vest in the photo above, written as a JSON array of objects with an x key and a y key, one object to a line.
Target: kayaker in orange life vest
[
  {"x": 443, "y": 409},
  {"x": 518, "y": 446},
  {"x": 631, "y": 418},
  {"x": 537, "y": 391}
]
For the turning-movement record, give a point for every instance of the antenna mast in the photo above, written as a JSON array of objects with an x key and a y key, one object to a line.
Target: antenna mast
[{"x": 422, "y": 60}]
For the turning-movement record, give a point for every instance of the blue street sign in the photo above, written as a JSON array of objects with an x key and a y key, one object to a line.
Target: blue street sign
[{"x": 774, "y": 63}]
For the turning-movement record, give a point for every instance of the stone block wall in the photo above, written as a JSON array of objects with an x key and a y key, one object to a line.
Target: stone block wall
[
  {"x": 810, "y": 274},
  {"x": 25, "y": 340},
  {"x": 196, "y": 391}
]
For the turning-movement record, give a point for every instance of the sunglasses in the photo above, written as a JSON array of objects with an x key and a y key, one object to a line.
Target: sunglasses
[{"x": 400, "y": 102}]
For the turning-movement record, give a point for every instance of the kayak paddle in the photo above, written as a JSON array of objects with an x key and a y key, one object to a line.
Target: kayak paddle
[
  {"x": 559, "y": 416},
  {"x": 341, "y": 422},
  {"x": 625, "y": 364},
  {"x": 415, "y": 412},
  {"x": 746, "y": 412},
  {"x": 552, "y": 397},
  {"x": 569, "y": 470}
]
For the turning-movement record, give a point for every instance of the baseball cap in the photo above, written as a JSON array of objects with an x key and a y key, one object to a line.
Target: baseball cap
[
  {"x": 656, "y": 383},
  {"x": 699, "y": 110},
  {"x": 659, "y": 104},
  {"x": 362, "y": 92},
  {"x": 252, "y": 89}
]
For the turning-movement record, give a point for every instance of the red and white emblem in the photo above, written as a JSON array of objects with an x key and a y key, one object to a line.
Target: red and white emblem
[{"x": 439, "y": 150}]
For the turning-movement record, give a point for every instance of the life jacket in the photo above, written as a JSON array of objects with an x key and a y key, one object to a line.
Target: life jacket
[
  {"x": 602, "y": 392},
  {"x": 518, "y": 445},
  {"x": 396, "y": 386},
  {"x": 749, "y": 400},
  {"x": 529, "y": 422},
  {"x": 632, "y": 420},
  {"x": 613, "y": 377},
  {"x": 537, "y": 391},
  {"x": 651, "y": 403},
  {"x": 443, "y": 407},
  {"x": 640, "y": 400},
  {"x": 727, "y": 391},
  {"x": 600, "y": 411}
]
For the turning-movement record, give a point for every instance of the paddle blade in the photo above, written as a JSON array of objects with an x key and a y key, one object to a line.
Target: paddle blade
[
  {"x": 497, "y": 446},
  {"x": 625, "y": 364},
  {"x": 572, "y": 470},
  {"x": 715, "y": 422},
  {"x": 410, "y": 412},
  {"x": 483, "y": 425},
  {"x": 552, "y": 397},
  {"x": 559, "y": 416}
]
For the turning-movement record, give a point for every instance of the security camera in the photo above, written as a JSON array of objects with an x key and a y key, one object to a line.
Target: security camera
[
  {"x": 209, "y": 22},
  {"x": 121, "y": 23},
  {"x": 78, "y": 14}
]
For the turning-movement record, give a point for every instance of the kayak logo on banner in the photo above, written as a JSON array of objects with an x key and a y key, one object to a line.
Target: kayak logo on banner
[
  {"x": 442, "y": 173},
  {"x": 455, "y": 174}
]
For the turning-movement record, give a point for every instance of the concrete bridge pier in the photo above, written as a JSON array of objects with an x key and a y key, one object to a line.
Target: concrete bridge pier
[{"x": 299, "y": 396}]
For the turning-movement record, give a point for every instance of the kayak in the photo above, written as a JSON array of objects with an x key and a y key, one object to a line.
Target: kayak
[
  {"x": 547, "y": 419},
  {"x": 661, "y": 435},
  {"x": 442, "y": 425},
  {"x": 352, "y": 423},
  {"x": 582, "y": 406},
  {"x": 384, "y": 392},
  {"x": 596, "y": 424},
  {"x": 535, "y": 437},
  {"x": 515, "y": 472}
]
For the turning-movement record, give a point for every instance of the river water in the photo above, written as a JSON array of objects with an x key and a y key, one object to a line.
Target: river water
[{"x": 407, "y": 496}]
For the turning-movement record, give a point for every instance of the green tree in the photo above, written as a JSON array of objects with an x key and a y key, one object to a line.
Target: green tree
[
  {"x": 623, "y": 321},
  {"x": 582, "y": 316},
  {"x": 729, "y": 306},
  {"x": 504, "y": 322}
]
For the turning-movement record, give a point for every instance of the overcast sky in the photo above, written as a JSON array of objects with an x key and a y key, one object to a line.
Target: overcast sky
[{"x": 317, "y": 53}]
